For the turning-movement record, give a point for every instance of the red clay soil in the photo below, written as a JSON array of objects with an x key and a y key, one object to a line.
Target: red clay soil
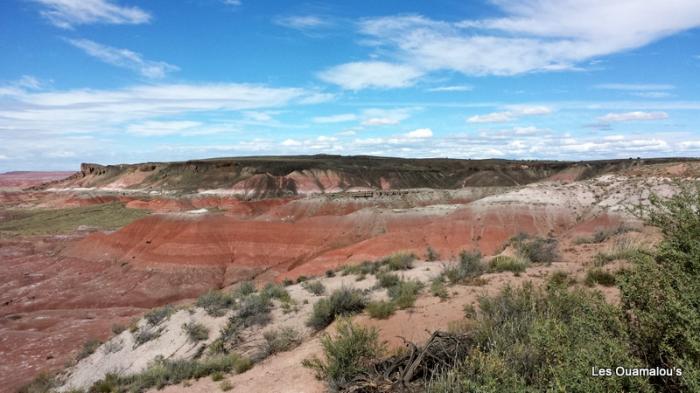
[{"x": 29, "y": 179}]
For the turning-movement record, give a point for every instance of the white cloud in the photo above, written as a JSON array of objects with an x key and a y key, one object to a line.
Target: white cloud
[
  {"x": 291, "y": 142},
  {"x": 341, "y": 118},
  {"x": 632, "y": 116},
  {"x": 420, "y": 133},
  {"x": 635, "y": 86},
  {"x": 68, "y": 13},
  {"x": 302, "y": 22},
  {"x": 652, "y": 94},
  {"x": 29, "y": 82},
  {"x": 534, "y": 36},
  {"x": 234, "y": 3},
  {"x": 160, "y": 128},
  {"x": 370, "y": 74},
  {"x": 380, "y": 121},
  {"x": 452, "y": 88},
  {"x": 124, "y": 58},
  {"x": 510, "y": 115},
  {"x": 385, "y": 117},
  {"x": 89, "y": 111}
]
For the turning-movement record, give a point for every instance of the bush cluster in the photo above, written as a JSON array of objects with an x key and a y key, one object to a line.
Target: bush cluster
[
  {"x": 470, "y": 265},
  {"x": 343, "y": 301}
]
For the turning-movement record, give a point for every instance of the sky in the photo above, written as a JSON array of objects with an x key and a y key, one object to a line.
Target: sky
[{"x": 125, "y": 81}]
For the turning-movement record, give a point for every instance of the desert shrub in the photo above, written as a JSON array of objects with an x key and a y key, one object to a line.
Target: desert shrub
[
  {"x": 227, "y": 335},
  {"x": 624, "y": 248},
  {"x": 661, "y": 292},
  {"x": 195, "y": 331},
  {"x": 255, "y": 310},
  {"x": 215, "y": 303},
  {"x": 346, "y": 355},
  {"x": 399, "y": 261},
  {"x": 364, "y": 268},
  {"x": 469, "y": 311},
  {"x": 144, "y": 335},
  {"x": 158, "y": 315},
  {"x": 163, "y": 372},
  {"x": 537, "y": 250},
  {"x": 431, "y": 255},
  {"x": 217, "y": 376},
  {"x": 276, "y": 291},
  {"x": 438, "y": 289},
  {"x": 560, "y": 278},
  {"x": 404, "y": 293},
  {"x": 287, "y": 282},
  {"x": 470, "y": 265},
  {"x": 42, "y": 383},
  {"x": 529, "y": 340},
  {"x": 602, "y": 235},
  {"x": 343, "y": 301},
  {"x": 225, "y": 386},
  {"x": 381, "y": 309},
  {"x": 599, "y": 276},
  {"x": 118, "y": 329},
  {"x": 89, "y": 347},
  {"x": 386, "y": 280},
  {"x": 315, "y": 287},
  {"x": 281, "y": 340},
  {"x": 244, "y": 289},
  {"x": 330, "y": 273},
  {"x": 505, "y": 263},
  {"x": 301, "y": 279}
]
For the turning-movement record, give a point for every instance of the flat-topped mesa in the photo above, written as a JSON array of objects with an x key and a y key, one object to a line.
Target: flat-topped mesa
[{"x": 271, "y": 177}]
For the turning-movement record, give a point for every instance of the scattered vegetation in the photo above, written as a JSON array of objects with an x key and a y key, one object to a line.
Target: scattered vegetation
[
  {"x": 603, "y": 234},
  {"x": 281, "y": 340},
  {"x": 255, "y": 310},
  {"x": 225, "y": 386},
  {"x": 469, "y": 266},
  {"x": 215, "y": 303},
  {"x": 438, "y": 289},
  {"x": 346, "y": 355},
  {"x": 56, "y": 221},
  {"x": 144, "y": 335},
  {"x": 431, "y": 255},
  {"x": 364, "y": 268},
  {"x": 118, "y": 329},
  {"x": 404, "y": 294},
  {"x": 624, "y": 248},
  {"x": 505, "y": 263},
  {"x": 381, "y": 309},
  {"x": 43, "y": 383},
  {"x": 276, "y": 291},
  {"x": 195, "y": 331},
  {"x": 599, "y": 276},
  {"x": 330, "y": 273},
  {"x": 536, "y": 249},
  {"x": 387, "y": 280},
  {"x": 244, "y": 289},
  {"x": 344, "y": 301},
  {"x": 399, "y": 261},
  {"x": 89, "y": 347},
  {"x": 164, "y": 372},
  {"x": 158, "y": 315},
  {"x": 560, "y": 278},
  {"x": 315, "y": 287}
]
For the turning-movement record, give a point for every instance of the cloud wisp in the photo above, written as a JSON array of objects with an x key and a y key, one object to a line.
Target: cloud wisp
[
  {"x": 511, "y": 114},
  {"x": 68, "y": 13},
  {"x": 632, "y": 116}
]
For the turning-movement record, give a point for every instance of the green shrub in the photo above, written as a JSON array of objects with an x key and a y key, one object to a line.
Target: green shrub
[
  {"x": 158, "y": 315},
  {"x": 346, "y": 355},
  {"x": 315, "y": 287},
  {"x": 469, "y": 266},
  {"x": 404, "y": 293},
  {"x": 560, "y": 278},
  {"x": 386, "y": 280},
  {"x": 164, "y": 372},
  {"x": 276, "y": 291},
  {"x": 89, "y": 347},
  {"x": 343, "y": 301},
  {"x": 287, "y": 282},
  {"x": 244, "y": 289},
  {"x": 438, "y": 289},
  {"x": 144, "y": 335},
  {"x": 364, "y": 268},
  {"x": 537, "y": 250},
  {"x": 255, "y": 310},
  {"x": 399, "y": 261},
  {"x": 118, "y": 329},
  {"x": 330, "y": 273},
  {"x": 504, "y": 263},
  {"x": 195, "y": 331},
  {"x": 598, "y": 276},
  {"x": 215, "y": 303},
  {"x": 217, "y": 376},
  {"x": 301, "y": 279},
  {"x": 42, "y": 383},
  {"x": 381, "y": 309},
  {"x": 603, "y": 234},
  {"x": 431, "y": 255},
  {"x": 225, "y": 386},
  {"x": 624, "y": 248},
  {"x": 281, "y": 340}
]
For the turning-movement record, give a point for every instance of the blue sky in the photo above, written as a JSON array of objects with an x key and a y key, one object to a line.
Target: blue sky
[{"x": 114, "y": 81}]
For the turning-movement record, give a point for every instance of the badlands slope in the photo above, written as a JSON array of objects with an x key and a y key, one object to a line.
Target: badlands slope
[{"x": 62, "y": 288}]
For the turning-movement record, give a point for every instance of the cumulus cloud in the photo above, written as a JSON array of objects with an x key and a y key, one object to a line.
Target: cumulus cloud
[
  {"x": 68, "y": 13},
  {"x": 510, "y": 115},
  {"x": 124, "y": 58},
  {"x": 370, "y": 74},
  {"x": 420, "y": 133},
  {"x": 632, "y": 116},
  {"x": 532, "y": 36}
]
